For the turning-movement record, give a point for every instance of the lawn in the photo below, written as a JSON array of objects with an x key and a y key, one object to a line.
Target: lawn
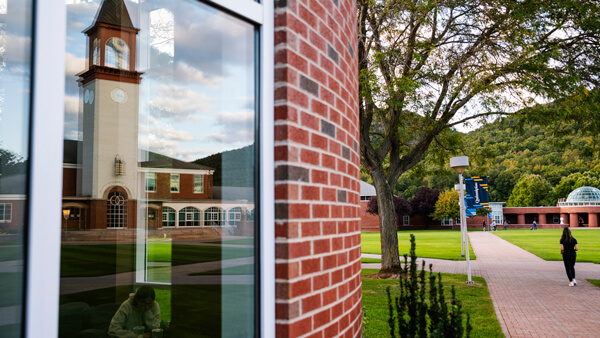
[
  {"x": 441, "y": 244},
  {"x": 99, "y": 260},
  {"x": 544, "y": 243},
  {"x": 475, "y": 300},
  {"x": 594, "y": 281}
]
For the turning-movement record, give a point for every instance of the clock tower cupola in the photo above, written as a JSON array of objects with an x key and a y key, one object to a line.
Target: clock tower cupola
[
  {"x": 111, "y": 45},
  {"x": 110, "y": 94}
]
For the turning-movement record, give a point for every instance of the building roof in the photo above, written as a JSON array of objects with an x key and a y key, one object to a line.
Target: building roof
[
  {"x": 114, "y": 12},
  {"x": 367, "y": 189},
  {"x": 13, "y": 184},
  {"x": 584, "y": 194},
  {"x": 72, "y": 151}
]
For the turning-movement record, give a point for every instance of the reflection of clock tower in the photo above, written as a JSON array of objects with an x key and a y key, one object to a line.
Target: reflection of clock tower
[{"x": 110, "y": 107}]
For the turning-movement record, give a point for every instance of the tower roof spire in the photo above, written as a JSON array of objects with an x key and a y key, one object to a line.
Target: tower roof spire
[{"x": 114, "y": 12}]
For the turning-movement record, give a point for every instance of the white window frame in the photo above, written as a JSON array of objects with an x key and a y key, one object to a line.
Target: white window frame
[
  {"x": 44, "y": 195},
  {"x": 405, "y": 220}
]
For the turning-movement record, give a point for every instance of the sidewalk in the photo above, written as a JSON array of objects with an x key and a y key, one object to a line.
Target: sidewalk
[{"x": 531, "y": 296}]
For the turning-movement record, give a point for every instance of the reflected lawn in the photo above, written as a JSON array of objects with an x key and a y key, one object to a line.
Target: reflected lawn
[
  {"x": 107, "y": 295},
  {"x": 11, "y": 290},
  {"x": 99, "y": 260}
]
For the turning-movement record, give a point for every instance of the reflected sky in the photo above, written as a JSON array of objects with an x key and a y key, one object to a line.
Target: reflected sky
[
  {"x": 197, "y": 91},
  {"x": 15, "y": 42}
]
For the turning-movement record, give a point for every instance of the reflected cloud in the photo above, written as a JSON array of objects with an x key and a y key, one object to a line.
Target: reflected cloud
[{"x": 178, "y": 102}]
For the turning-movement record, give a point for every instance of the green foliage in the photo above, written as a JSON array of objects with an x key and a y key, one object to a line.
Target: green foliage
[
  {"x": 411, "y": 314},
  {"x": 531, "y": 191},
  {"x": 233, "y": 168},
  {"x": 446, "y": 206},
  {"x": 576, "y": 180}
]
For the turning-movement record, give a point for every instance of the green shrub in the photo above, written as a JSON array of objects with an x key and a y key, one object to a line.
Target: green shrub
[{"x": 413, "y": 315}]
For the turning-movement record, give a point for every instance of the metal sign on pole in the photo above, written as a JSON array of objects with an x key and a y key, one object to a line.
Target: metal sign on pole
[{"x": 460, "y": 164}]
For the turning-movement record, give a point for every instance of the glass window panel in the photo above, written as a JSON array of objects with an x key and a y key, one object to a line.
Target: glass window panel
[
  {"x": 174, "y": 182},
  {"x": 15, "y": 87},
  {"x": 183, "y": 120}
]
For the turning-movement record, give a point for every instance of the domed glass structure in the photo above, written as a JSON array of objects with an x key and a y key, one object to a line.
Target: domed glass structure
[{"x": 583, "y": 196}]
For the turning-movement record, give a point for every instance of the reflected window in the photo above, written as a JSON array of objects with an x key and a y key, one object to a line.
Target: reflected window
[
  {"x": 234, "y": 216},
  {"x": 189, "y": 217},
  {"x": 151, "y": 182},
  {"x": 116, "y": 213},
  {"x": 116, "y": 54},
  {"x": 213, "y": 217},
  {"x": 5, "y": 212},
  {"x": 174, "y": 182},
  {"x": 96, "y": 52},
  {"x": 198, "y": 183},
  {"x": 168, "y": 216}
]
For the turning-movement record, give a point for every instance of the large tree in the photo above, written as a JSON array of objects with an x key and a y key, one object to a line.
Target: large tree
[{"x": 428, "y": 65}]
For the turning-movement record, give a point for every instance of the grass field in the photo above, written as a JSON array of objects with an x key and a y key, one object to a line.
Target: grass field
[
  {"x": 544, "y": 243},
  {"x": 441, "y": 244},
  {"x": 475, "y": 300},
  {"x": 594, "y": 281},
  {"x": 99, "y": 260}
]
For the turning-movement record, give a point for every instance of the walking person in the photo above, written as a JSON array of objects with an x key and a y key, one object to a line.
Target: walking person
[
  {"x": 568, "y": 248},
  {"x": 505, "y": 222},
  {"x": 484, "y": 225},
  {"x": 534, "y": 226}
]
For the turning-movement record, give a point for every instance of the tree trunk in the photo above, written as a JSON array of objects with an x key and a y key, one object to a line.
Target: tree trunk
[{"x": 390, "y": 260}]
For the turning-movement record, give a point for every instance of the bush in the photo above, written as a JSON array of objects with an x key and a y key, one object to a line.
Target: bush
[{"x": 413, "y": 315}]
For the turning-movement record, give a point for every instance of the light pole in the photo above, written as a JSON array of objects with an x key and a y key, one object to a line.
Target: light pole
[{"x": 460, "y": 164}]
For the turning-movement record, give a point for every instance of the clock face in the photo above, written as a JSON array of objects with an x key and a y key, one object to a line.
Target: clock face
[
  {"x": 86, "y": 96},
  {"x": 118, "y": 95},
  {"x": 91, "y": 97}
]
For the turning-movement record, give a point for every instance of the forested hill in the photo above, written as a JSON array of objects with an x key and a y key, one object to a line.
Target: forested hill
[
  {"x": 532, "y": 150},
  {"x": 234, "y": 168},
  {"x": 504, "y": 154}
]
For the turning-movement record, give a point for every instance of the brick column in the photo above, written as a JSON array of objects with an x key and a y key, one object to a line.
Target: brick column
[
  {"x": 542, "y": 218},
  {"x": 318, "y": 281},
  {"x": 573, "y": 220},
  {"x": 593, "y": 220},
  {"x": 565, "y": 218},
  {"x": 521, "y": 219}
]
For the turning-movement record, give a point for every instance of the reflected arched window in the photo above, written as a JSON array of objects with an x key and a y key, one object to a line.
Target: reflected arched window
[
  {"x": 189, "y": 217},
  {"x": 234, "y": 216},
  {"x": 116, "y": 213},
  {"x": 96, "y": 52},
  {"x": 213, "y": 217},
  {"x": 116, "y": 54},
  {"x": 168, "y": 217}
]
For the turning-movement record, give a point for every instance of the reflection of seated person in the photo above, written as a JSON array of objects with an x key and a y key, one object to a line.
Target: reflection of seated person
[{"x": 139, "y": 310}]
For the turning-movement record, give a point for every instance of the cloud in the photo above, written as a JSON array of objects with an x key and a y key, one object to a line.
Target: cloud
[
  {"x": 186, "y": 74},
  {"x": 164, "y": 132},
  {"x": 177, "y": 102},
  {"x": 72, "y": 105},
  {"x": 74, "y": 64}
]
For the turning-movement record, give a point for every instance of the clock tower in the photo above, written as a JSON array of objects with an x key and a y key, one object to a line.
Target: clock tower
[{"x": 110, "y": 88}]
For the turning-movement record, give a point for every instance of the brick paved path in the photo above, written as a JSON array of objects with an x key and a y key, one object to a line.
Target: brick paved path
[{"x": 531, "y": 296}]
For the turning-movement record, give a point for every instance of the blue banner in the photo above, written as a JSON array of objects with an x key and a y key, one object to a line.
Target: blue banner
[{"x": 476, "y": 194}]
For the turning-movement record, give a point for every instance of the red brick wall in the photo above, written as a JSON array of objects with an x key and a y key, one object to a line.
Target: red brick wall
[{"x": 318, "y": 283}]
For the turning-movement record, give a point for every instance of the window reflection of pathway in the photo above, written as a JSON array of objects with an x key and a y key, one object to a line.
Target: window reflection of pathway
[{"x": 185, "y": 274}]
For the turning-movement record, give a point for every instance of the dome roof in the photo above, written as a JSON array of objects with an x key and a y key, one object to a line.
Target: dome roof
[{"x": 584, "y": 194}]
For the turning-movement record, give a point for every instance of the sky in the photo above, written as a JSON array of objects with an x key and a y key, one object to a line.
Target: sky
[
  {"x": 15, "y": 49},
  {"x": 197, "y": 91}
]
